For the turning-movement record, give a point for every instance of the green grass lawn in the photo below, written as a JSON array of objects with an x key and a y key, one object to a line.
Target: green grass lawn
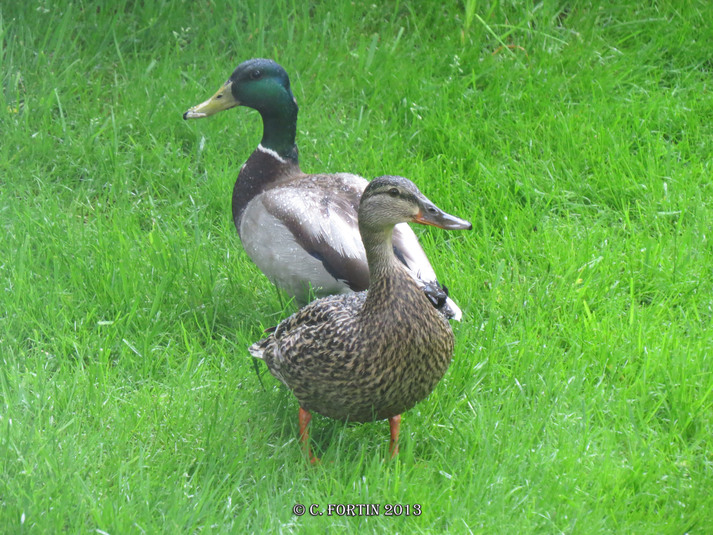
[{"x": 576, "y": 136}]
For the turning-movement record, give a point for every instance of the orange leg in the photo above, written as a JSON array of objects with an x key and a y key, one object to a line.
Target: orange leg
[
  {"x": 304, "y": 418},
  {"x": 394, "y": 424}
]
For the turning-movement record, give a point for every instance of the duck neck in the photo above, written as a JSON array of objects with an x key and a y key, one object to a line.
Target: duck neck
[
  {"x": 280, "y": 128},
  {"x": 379, "y": 253},
  {"x": 389, "y": 281}
]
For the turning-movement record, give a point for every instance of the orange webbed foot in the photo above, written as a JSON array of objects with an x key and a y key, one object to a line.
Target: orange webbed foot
[
  {"x": 304, "y": 418},
  {"x": 394, "y": 426}
]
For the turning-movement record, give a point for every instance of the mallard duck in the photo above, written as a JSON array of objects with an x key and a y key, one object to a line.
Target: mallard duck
[
  {"x": 368, "y": 355},
  {"x": 301, "y": 230}
]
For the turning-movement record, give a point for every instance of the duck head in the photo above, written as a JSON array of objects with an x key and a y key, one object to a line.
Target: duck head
[
  {"x": 260, "y": 84},
  {"x": 389, "y": 200},
  {"x": 263, "y": 85}
]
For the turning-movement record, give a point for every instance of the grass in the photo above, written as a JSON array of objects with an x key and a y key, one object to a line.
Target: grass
[{"x": 575, "y": 135}]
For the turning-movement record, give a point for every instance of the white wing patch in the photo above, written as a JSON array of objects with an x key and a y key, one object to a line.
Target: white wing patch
[
  {"x": 416, "y": 259},
  {"x": 341, "y": 232},
  {"x": 313, "y": 219},
  {"x": 274, "y": 249},
  {"x": 271, "y": 230},
  {"x": 417, "y": 262}
]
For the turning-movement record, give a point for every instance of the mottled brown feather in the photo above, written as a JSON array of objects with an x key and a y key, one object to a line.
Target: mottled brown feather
[{"x": 363, "y": 356}]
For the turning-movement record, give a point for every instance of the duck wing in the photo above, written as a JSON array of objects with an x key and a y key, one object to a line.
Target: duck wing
[
  {"x": 313, "y": 341},
  {"x": 305, "y": 233}
]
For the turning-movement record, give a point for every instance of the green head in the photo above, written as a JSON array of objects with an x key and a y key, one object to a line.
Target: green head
[{"x": 263, "y": 85}]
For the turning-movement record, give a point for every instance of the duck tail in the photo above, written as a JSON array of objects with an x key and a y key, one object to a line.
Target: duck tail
[
  {"x": 257, "y": 350},
  {"x": 437, "y": 293}
]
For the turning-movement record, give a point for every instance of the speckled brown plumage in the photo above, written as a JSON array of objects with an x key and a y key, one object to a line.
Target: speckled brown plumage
[
  {"x": 353, "y": 357},
  {"x": 368, "y": 355}
]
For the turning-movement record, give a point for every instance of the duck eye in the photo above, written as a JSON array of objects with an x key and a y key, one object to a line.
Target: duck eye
[
  {"x": 394, "y": 192},
  {"x": 256, "y": 74}
]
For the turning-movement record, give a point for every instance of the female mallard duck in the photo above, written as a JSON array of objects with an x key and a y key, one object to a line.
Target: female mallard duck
[
  {"x": 368, "y": 355},
  {"x": 301, "y": 230}
]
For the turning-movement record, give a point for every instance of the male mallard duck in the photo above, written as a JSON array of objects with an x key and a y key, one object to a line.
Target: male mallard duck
[
  {"x": 369, "y": 355},
  {"x": 301, "y": 230}
]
